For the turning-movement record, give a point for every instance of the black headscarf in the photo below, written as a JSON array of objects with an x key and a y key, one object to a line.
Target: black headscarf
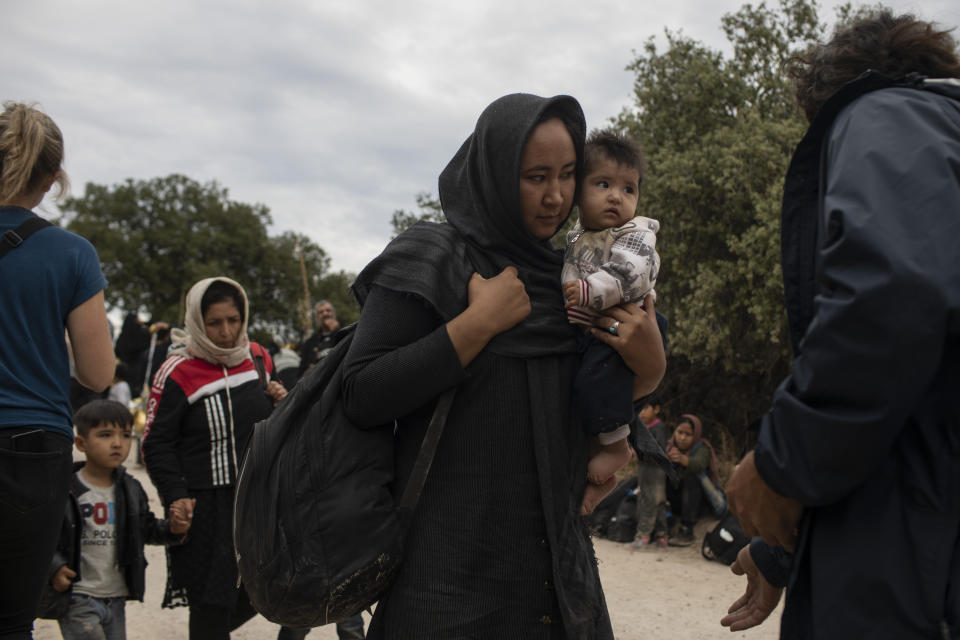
[{"x": 480, "y": 197}]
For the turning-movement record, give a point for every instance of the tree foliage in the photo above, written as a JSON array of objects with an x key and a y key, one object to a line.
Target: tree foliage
[
  {"x": 155, "y": 238},
  {"x": 718, "y": 133},
  {"x": 430, "y": 211}
]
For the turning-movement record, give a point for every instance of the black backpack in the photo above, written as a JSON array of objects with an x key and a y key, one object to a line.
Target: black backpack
[
  {"x": 317, "y": 534},
  {"x": 615, "y": 517},
  {"x": 725, "y": 540}
]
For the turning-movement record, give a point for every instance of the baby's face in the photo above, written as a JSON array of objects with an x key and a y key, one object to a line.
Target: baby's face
[{"x": 609, "y": 195}]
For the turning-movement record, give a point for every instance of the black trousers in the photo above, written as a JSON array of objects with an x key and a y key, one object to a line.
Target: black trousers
[
  {"x": 216, "y": 623},
  {"x": 686, "y": 498},
  {"x": 35, "y": 473}
]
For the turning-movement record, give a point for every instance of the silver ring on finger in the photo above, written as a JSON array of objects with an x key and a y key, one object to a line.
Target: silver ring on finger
[{"x": 614, "y": 328}]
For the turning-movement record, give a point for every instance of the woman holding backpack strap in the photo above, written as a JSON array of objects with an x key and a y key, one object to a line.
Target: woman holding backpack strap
[
  {"x": 496, "y": 546},
  {"x": 47, "y": 275},
  {"x": 204, "y": 400}
]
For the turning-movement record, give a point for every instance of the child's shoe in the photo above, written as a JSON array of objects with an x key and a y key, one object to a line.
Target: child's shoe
[
  {"x": 661, "y": 542},
  {"x": 640, "y": 543}
]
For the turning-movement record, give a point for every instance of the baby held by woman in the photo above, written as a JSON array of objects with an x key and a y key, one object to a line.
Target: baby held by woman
[{"x": 610, "y": 260}]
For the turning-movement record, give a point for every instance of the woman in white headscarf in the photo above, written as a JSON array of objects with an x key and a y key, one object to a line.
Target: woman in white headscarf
[{"x": 204, "y": 400}]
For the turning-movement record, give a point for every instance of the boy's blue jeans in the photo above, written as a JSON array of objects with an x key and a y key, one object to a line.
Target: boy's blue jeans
[{"x": 91, "y": 618}]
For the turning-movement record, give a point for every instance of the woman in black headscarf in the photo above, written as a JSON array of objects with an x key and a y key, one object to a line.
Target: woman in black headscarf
[{"x": 496, "y": 548}]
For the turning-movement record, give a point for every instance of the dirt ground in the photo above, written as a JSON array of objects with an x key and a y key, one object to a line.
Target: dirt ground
[{"x": 670, "y": 594}]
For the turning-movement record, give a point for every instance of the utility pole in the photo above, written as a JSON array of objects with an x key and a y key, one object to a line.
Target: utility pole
[{"x": 306, "y": 294}]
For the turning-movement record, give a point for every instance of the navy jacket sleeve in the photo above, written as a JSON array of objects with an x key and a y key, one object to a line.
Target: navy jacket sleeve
[
  {"x": 888, "y": 284},
  {"x": 774, "y": 563}
]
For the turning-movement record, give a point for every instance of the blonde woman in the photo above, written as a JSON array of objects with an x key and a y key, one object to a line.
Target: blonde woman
[{"x": 50, "y": 281}]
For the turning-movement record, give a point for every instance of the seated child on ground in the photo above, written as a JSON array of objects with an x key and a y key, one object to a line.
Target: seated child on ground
[
  {"x": 99, "y": 563},
  {"x": 610, "y": 260}
]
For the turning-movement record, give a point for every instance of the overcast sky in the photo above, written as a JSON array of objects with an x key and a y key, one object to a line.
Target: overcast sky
[{"x": 331, "y": 113}]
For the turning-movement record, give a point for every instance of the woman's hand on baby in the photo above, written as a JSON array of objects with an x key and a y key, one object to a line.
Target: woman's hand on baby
[
  {"x": 499, "y": 303},
  {"x": 571, "y": 293},
  {"x": 638, "y": 341}
]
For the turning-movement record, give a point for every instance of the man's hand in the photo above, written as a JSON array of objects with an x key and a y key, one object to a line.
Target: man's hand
[
  {"x": 62, "y": 579},
  {"x": 571, "y": 293},
  {"x": 762, "y": 511},
  {"x": 757, "y": 602}
]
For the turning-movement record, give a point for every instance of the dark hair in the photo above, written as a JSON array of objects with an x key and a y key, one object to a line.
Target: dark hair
[
  {"x": 220, "y": 291},
  {"x": 653, "y": 400},
  {"x": 607, "y": 144},
  {"x": 877, "y": 40},
  {"x": 121, "y": 370},
  {"x": 98, "y": 412}
]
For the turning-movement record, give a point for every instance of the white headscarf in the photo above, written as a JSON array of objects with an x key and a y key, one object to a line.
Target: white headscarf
[{"x": 194, "y": 343}]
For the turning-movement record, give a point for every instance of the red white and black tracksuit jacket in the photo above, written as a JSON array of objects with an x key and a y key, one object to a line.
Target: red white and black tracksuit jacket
[{"x": 190, "y": 442}]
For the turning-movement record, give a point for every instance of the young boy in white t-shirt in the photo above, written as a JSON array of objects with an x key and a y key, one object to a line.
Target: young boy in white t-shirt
[{"x": 99, "y": 563}]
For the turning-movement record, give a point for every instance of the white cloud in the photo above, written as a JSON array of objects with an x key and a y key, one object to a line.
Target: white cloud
[{"x": 333, "y": 114}]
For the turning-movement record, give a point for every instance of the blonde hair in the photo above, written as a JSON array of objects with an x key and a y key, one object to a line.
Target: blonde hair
[{"x": 31, "y": 151}]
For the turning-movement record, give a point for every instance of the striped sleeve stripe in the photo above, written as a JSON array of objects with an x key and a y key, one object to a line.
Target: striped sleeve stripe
[
  {"x": 160, "y": 378},
  {"x": 223, "y": 449}
]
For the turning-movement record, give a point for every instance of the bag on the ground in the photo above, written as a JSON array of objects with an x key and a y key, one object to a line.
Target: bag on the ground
[
  {"x": 623, "y": 525},
  {"x": 317, "y": 534},
  {"x": 606, "y": 512},
  {"x": 725, "y": 540}
]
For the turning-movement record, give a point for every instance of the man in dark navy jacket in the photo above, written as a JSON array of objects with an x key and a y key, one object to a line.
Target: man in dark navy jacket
[{"x": 857, "y": 466}]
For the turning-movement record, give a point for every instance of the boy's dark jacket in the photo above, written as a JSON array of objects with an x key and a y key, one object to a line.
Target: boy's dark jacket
[{"x": 136, "y": 526}]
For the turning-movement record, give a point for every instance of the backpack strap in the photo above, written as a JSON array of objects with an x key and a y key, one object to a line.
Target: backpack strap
[
  {"x": 258, "y": 362},
  {"x": 13, "y": 238},
  {"x": 421, "y": 467}
]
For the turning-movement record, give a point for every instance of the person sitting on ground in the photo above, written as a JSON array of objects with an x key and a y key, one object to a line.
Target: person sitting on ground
[
  {"x": 651, "y": 483},
  {"x": 610, "y": 260},
  {"x": 691, "y": 456},
  {"x": 99, "y": 563}
]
